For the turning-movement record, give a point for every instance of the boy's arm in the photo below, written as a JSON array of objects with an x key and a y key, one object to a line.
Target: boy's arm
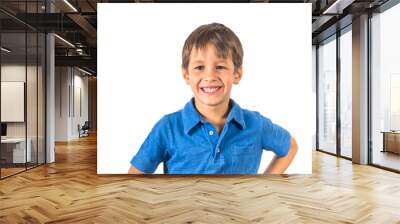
[
  {"x": 133, "y": 170},
  {"x": 153, "y": 150},
  {"x": 278, "y": 165}
]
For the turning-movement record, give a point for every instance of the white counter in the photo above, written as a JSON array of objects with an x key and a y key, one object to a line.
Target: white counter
[{"x": 19, "y": 149}]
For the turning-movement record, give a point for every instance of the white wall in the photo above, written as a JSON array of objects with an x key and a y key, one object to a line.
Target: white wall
[
  {"x": 70, "y": 83},
  {"x": 80, "y": 83},
  {"x": 143, "y": 83},
  {"x": 16, "y": 73},
  {"x": 62, "y": 81}
]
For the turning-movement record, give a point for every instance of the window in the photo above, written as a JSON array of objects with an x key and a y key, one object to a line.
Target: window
[
  {"x": 346, "y": 93},
  {"x": 385, "y": 88},
  {"x": 327, "y": 96}
]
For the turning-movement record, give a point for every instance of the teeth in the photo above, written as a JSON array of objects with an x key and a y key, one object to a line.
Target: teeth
[{"x": 210, "y": 90}]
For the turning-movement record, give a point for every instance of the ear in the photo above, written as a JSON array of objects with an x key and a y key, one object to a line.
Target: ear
[
  {"x": 238, "y": 75},
  {"x": 185, "y": 75}
]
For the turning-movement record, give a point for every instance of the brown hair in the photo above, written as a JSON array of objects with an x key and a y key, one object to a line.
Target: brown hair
[{"x": 224, "y": 40}]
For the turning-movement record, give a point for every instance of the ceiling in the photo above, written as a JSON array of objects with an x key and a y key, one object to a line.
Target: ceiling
[{"x": 76, "y": 22}]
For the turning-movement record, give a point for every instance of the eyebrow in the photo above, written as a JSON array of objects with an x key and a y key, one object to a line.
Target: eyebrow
[
  {"x": 218, "y": 61},
  {"x": 198, "y": 61}
]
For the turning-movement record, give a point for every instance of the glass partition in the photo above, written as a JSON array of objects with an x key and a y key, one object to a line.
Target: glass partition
[
  {"x": 346, "y": 93},
  {"x": 13, "y": 105},
  {"x": 327, "y": 96},
  {"x": 22, "y": 77},
  {"x": 385, "y": 89},
  {"x": 41, "y": 85},
  {"x": 34, "y": 52},
  {"x": 32, "y": 95}
]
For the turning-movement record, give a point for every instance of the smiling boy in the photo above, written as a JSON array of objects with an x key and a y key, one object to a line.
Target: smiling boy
[{"x": 212, "y": 134}]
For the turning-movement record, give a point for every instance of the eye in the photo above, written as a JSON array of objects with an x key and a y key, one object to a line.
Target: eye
[
  {"x": 220, "y": 67},
  {"x": 200, "y": 67}
]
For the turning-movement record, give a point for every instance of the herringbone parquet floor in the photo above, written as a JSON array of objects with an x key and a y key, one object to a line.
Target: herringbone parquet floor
[{"x": 70, "y": 191}]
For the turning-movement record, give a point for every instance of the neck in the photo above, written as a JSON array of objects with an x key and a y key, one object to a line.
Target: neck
[{"x": 216, "y": 115}]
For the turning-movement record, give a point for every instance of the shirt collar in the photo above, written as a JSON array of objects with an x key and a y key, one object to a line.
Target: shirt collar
[
  {"x": 191, "y": 116},
  {"x": 236, "y": 114}
]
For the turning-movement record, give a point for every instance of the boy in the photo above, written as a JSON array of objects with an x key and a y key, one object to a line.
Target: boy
[{"x": 212, "y": 134}]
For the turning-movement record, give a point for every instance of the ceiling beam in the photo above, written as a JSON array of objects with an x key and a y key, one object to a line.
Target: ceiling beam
[
  {"x": 317, "y": 25},
  {"x": 84, "y": 24},
  {"x": 85, "y": 61},
  {"x": 337, "y": 6}
]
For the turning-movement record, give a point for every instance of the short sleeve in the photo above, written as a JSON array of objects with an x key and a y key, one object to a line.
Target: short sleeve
[
  {"x": 274, "y": 137},
  {"x": 153, "y": 150}
]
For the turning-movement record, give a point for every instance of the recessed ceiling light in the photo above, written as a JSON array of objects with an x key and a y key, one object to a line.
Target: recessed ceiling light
[
  {"x": 5, "y": 50},
  {"x": 64, "y": 40},
  {"x": 70, "y": 5},
  {"x": 84, "y": 71},
  {"x": 337, "y": 7}
]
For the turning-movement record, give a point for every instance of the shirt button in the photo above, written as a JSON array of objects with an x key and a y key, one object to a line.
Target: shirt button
[
  {"x": 218, "y": 150},
  {"x": 211, "y": 132}
]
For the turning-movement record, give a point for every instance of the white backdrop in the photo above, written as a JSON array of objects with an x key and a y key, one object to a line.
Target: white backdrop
[{"x": 140, "y": 80}]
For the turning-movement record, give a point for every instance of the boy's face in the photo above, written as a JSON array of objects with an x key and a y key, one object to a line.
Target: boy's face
[{"x": 211, "y": 77}]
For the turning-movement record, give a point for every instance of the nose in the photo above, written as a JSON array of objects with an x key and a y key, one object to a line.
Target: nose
[{"x": 210, "y": 75}]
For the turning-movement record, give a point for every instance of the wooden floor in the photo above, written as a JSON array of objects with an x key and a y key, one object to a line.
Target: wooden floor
[
  {"x": 70, "y": 191},
  {"x": 10, "y": 171},
  {"x": 5, "y": 172}
]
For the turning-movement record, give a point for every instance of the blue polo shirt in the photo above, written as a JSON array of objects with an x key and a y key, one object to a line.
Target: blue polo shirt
[{"x": 188, "y": 144}]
